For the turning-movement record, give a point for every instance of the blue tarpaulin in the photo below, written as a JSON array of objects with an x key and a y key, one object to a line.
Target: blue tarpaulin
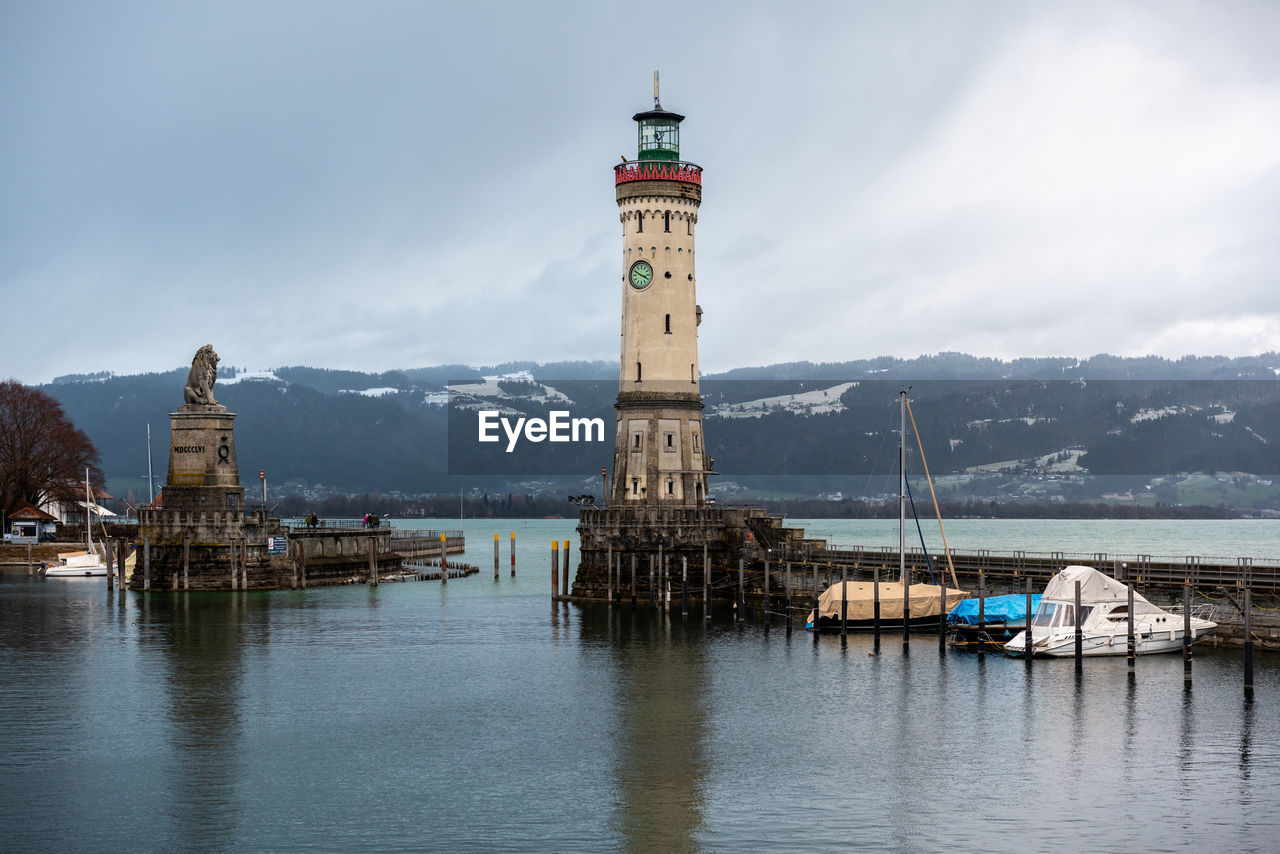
[{"x": 1011, "y": 609}]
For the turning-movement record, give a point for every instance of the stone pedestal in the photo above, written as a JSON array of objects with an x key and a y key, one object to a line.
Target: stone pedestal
[
  {"x": 197, "y": 536},
  {"x": 203, "y": 474}
]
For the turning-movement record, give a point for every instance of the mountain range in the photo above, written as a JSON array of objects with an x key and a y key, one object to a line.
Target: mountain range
[{"x": 1029, "y": 429}]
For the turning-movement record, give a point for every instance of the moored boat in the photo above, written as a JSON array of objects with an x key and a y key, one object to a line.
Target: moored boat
[
  {"x": 859, "y": 598},
  {"x": 990, "y": 626},
  {"x": 1104, "y": 619}
]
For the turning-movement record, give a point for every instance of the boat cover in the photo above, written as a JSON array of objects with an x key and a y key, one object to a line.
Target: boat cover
[
  {"x": 1095, "y": 588},
  {"x": 997, "y": 609},
  {"x": 861, "y": 601}
]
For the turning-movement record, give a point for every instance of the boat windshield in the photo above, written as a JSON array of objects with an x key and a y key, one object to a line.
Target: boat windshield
[{"x": 1052, "y": 614}]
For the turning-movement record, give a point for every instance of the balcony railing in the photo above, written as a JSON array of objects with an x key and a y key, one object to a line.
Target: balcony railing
[{"x": 657, "y": 170}]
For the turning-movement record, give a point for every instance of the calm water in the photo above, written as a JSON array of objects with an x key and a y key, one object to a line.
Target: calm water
[{"x": 478, "y": 717}]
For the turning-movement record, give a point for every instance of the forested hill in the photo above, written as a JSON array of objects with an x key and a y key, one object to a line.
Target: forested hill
[{"x": 1055, "y": 417}]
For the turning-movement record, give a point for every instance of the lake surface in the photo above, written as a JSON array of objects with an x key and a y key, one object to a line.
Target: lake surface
[{"x": 477, "y": 716}]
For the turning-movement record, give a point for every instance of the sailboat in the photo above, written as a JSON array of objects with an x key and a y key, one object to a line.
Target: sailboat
[
  {"x": 90, "y": 562},
  {"x": 854, "y": 603}
]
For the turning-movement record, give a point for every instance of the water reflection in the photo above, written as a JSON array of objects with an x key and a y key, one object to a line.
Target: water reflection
[
  {"x": 1246, "y": 741},
  {"x": 202, "y": 638},
  {"x": 660, "y": 687}
]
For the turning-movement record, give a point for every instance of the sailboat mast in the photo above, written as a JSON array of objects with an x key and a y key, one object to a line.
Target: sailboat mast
[
  {"x": 902, "y": 486},
  {"x": 151, "y": 489},
  {"x": 88, "y": 522}
]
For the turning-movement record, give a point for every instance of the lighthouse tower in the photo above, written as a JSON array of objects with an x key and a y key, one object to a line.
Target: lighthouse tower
[{"x": 659, "y": 453}]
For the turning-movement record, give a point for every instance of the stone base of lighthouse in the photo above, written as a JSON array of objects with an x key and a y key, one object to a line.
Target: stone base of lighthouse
[
  {"x": 659, "y": 456},
  {"x": 612, "y": 540}
]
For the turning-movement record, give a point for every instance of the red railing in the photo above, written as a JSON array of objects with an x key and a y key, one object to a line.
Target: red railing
[{"x": 657, "y": 170}]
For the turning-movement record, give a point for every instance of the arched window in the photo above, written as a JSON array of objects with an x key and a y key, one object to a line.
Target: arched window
[
  {"x": 668, "y": 324},
  {"x": 666, "y": 221},
  {"x": 639, "y": 222}
]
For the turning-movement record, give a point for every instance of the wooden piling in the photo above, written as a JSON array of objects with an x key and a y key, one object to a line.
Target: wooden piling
[
  {"x": 1133, "y": 641},
  {"x": 565, "y": 571},
  {"x": 706, "y": 583},
  {"x": 618, "y": 580},
  {"x": 633, "y": 581},
  {"x": 608, "y": 572},
  {"x": 982, "y": 613},
  {"x": 653, "y": 592},
  {"x": 742, "y": 591},
  {"x": 815, "y": 604},
  {"x": 373, "y": 561},
  {"x": 788, "y": 583},
  {"x": 766, "y": 596},
  {"x": 906, "y": 611},
  {"x": 513, "y": 554},
  {"x": 661, "y": 575},
  {"x": 555, "y": 569},
  {"x": 664, "y": 588},
  {"x": 942, "y": 617},
  {"x": 444, "y": 567},
  {"x": 1079, "y": 635},
  {"x": 875, "y": 605},
  {"x": 146, "y": 563},
  {"x": 120, "y": 559},
  {"x": 1248, "y": 640},
  {"x": 30, "y": 566},
  {"x": 684, "y": 588},
  {"x": 1029, "y": 639},
  {"x": 106, "y": 556},
  {"x": 844, "y": 602},
  {"x": 186, "y": 563},
  {"x": 496, "y": 547},
  {"x": 1186, "y": 633}
]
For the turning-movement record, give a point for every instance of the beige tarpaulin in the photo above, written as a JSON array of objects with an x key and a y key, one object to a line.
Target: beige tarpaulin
[{"x": 861, "y": 598}]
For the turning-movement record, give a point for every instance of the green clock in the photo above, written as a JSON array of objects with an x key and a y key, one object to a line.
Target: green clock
[{"x": 641, "y": 275}]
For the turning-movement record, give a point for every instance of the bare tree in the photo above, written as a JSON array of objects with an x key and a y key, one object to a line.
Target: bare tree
[{"x": 42, "y": 454}]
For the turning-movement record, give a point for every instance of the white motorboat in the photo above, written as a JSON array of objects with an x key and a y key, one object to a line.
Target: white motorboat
[{"x": 1104, "y": 619}]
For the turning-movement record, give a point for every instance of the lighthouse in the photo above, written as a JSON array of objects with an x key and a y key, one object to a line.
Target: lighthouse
[{"x": 659, "y": 453}]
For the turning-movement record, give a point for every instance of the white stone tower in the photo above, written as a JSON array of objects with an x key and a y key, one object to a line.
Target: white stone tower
[{"x": 659, "y": 453}]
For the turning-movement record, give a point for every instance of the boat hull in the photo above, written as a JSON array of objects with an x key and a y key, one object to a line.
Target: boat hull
[
  {"x": 1059, "y": 645},
  {"x": 75, "y": 571}
]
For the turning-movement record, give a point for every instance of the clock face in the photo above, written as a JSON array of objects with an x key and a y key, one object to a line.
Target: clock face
[{"x": 641, "y": 275}]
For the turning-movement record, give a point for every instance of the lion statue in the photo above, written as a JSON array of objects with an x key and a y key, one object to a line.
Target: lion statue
[{"x": 204, "y": 373}]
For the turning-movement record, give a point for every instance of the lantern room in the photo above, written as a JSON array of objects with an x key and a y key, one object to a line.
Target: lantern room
[{"x": 658, "y": 134}]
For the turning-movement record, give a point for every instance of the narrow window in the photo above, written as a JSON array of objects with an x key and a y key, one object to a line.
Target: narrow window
[
  {"x": 635, "y": 441},
  {"x": 691, "y": 377},
  {"x": 671, "y": 487},
  {"x": 688, "y": 227},
  {"x": 671, "y": 441},
  {"x": 635, "y": 486},
  {"x": 668, "y": 324},
  {"x": 637, "y": 372},
  {"x": 666, "y": 221},
  {"x": 639, "y": 223},
  {"x": 696, "y": 448}
]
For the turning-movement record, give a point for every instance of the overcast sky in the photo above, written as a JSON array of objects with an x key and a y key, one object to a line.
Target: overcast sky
[{"x": 383, "y": 185}]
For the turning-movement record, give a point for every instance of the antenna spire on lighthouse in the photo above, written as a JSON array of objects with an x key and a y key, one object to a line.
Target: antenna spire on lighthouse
[{"x": 657, "y": 105}]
